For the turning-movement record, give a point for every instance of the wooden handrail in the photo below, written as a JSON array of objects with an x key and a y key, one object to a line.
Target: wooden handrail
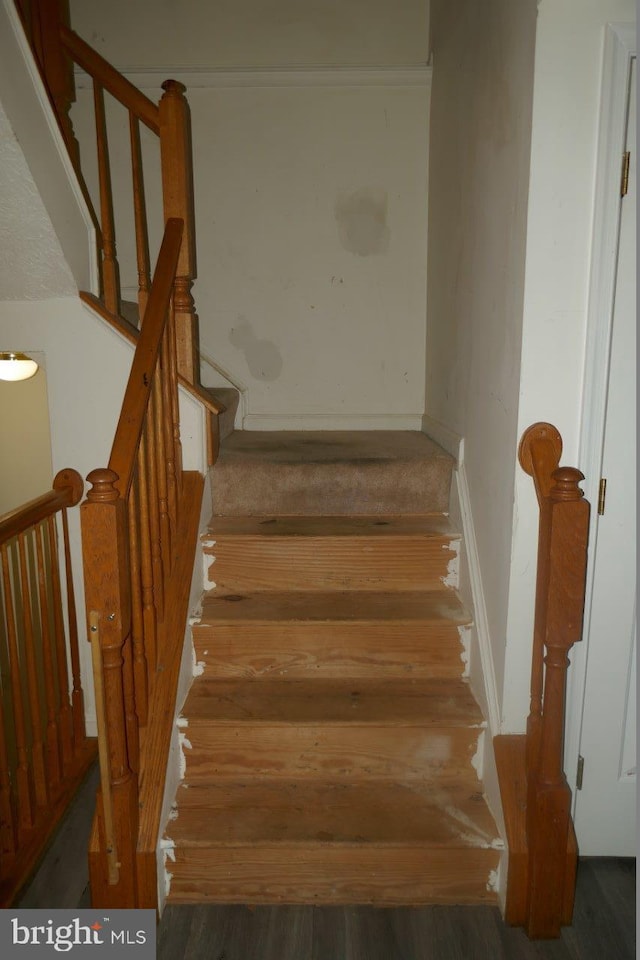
[
  {"x": 136, "y": 399},
  {"x": 67, "y": 492},
  {"x": 108, "y": 77},
  {"x": 139, "y": 528},
  {"x": 545, "y": 853}
]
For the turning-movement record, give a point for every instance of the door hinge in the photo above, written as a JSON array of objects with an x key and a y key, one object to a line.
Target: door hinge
[
  {"x": 602, "y": 496},
  {"x": 624, "y": 181},
  {"x": 580, "y": 772}
]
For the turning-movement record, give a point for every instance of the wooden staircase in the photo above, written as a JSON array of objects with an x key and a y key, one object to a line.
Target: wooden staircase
[{"x": 330, "y": 735}]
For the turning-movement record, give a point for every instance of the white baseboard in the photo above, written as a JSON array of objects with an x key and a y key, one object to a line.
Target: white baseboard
[
  {"x": 482, "y": 676},
  {"x": 471, "y": 585},
  {"x": 446, "y": 438},
  {"x": 323, "y": 421}
]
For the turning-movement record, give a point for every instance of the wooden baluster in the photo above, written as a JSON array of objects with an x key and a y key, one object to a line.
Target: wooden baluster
[
  {"x": 8, "y": 842},
  {"x": 43, "y": 29},
  {"x": 154, "y": 510},
  {"x": 149, "y": 615},
  {"x": 65, "y": 716},
  {"x": 66, "y": 479},
  {"x": 24, "y": 790},
  {"x": 167, "y": 427},
  {"x": 131, "y": 719},
  {"x": 110, "y": 271},
  {"x": 52, "y": 734},
  {"x": 107, "y": 592},
  {"x": 77, "y": 695},
  {"x": 140, "y": 214},
  {"x": 175, "y": 406},
  {"x": 177, "y": 190},
  {"x": 549, "y": 796},
  {"x": 140, "y": 677},
  {"x": 161, "y": 470},
  {"x": 37, "y": 745}
]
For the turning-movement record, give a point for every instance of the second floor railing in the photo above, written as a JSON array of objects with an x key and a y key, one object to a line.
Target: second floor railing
[
  {"x": 57, "y": 49},
  {"x": 44, "y": 752}
]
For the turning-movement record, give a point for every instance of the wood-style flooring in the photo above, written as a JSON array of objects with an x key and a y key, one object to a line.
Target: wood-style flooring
[{"x": 604, "y": 924}]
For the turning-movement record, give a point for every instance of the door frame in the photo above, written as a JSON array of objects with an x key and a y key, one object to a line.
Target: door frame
[{"x": 619, "y": 50}]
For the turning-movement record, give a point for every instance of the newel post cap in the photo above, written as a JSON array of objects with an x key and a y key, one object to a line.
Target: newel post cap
[
  {"x": 103, "y": 489},
  {"x": 565, "y": 484}
]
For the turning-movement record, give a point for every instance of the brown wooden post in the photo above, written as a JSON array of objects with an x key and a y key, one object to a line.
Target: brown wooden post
[
  {"x": 177, "y": 191},
  {"x": 107, "y": 593},
  {"x": 42, "y": 20},
  {"x": 549, "y": 796}
]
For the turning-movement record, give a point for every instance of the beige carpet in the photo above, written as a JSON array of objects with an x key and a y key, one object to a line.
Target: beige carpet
[{"x": 345, "y": 473}]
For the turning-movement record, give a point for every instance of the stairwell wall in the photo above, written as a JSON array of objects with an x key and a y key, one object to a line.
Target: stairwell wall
[
  {"x": 310, "y": 153},
  {"x": 483, "y": 58}
]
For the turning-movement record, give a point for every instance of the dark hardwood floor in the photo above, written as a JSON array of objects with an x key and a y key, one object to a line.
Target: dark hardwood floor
[
  {"x": 603, "y": 929},
  {"x": 604, "y": 923}
]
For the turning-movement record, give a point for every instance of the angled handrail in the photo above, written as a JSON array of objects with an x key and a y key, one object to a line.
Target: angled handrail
[
  {"x": 110, "y": 79},
  {"x": 139, "y": 524}
]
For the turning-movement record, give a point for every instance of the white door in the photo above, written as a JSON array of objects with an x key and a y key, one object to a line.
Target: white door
[{"x": 605, "y": 806}]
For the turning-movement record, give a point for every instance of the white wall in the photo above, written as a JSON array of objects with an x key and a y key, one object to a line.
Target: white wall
[
  {"x": 568, "y": 68},
  {"x": 231, "y": 33},
  {"x": 87, "y": 365},
  {"x": 478, "y": 184},
  {"x": 25, "y": 440},
  {"x": 310, "y": 200},
  {"x": 27, "y": 117}
]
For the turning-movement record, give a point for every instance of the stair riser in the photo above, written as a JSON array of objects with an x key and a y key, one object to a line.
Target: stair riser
[
  {"x": 331, "y": 488},
  {"x": 246, "y": 564},
  {"x": 381, "y": 875},
  {"x": 323, "y": 650},
  {"x": 329, "y": 750}
]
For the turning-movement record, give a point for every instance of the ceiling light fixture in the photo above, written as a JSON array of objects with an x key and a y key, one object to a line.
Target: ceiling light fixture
[{"x": 16, "y": 366}]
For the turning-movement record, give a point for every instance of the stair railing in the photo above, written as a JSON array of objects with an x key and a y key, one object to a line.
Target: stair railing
[
  {"x": 170, "y": 121},
  {"x": 130, "y": 539},
  {"x": 559, "y": 607},
  {"x": 44, "y": 752},
  {"x": 57, "y": 48}
]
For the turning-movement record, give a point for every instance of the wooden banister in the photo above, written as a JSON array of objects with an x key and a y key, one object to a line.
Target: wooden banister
[
  {"x": 542, "y": 847},
  {"x": 139, "y": 387},
  {"x": 67, "y": 492},
  {"x": 110, "y": 79},
  {"x": 44, "y": 752},
  {"x": 49, "y": 30},
  {"x": 139, "y": 525}
]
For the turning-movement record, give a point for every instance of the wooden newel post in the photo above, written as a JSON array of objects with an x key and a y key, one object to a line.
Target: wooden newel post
[
  {"x": 549, "y": 796},
  {"x": 177, "y": 191},
  {"x": 42, "y": 20},
  {"x": 108, "y": 603}
]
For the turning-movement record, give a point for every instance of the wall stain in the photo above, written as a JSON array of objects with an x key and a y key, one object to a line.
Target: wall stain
[
  {"x": 263, "y": 357},
  {"x": 362, "y": 221}
]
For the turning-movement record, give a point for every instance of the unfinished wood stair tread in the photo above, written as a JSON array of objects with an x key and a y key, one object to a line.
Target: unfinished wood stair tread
[
  {"x": 419, "y": 702},
  {"x": 306, "y": 812},
  {"x": 338, "y": 606},
  {"x": 430, "y": 525},
  {"x": 358, "y": 634},
  {"x": 329, "y": 553}
]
